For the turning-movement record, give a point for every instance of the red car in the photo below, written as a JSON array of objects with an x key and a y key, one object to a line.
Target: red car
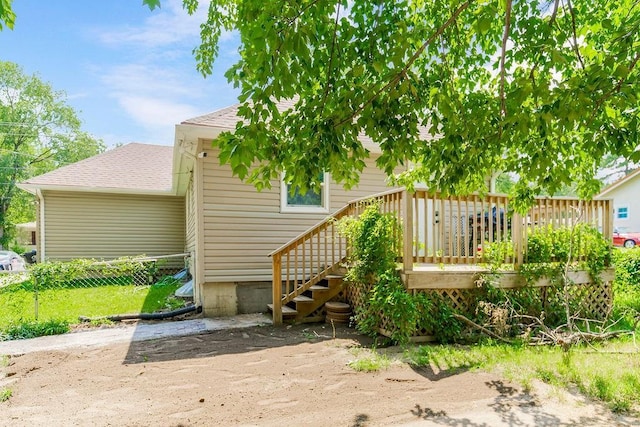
[{"x": 627, "y": 239}]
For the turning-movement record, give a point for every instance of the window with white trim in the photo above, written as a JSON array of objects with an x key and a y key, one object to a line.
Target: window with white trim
[
  {"x": 315, "y": 200},
  {"x": 622, "y": 212}
]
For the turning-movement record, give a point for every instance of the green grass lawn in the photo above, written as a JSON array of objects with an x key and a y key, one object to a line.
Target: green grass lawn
[
  {"x": 609, "y": 372},
  {"x": 67, "y": 304}
]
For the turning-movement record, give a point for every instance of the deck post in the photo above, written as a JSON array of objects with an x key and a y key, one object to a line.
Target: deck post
[
  {"x": 517, "y": 239},
  {"x": 407, "y": 243},
  {"x": 277, "y": 289},
  {"x": 608, "y": 222}
]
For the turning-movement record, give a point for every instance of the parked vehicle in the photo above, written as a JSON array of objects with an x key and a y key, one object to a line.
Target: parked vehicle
[
  {"x": 30, "y": 256},
  {"x": 627, "y": 239},
  {"x": 11, "y": 261}
]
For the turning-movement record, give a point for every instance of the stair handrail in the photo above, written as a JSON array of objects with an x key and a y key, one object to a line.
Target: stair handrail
[{"x": 277, "y": 255}]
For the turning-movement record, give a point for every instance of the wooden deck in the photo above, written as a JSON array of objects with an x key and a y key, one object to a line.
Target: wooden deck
[{"x": 440, "y": 243}]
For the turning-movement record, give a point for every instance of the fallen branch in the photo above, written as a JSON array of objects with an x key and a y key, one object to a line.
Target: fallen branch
[{"x": 481, "y": 328}]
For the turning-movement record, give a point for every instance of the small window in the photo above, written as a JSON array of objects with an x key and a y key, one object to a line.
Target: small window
[
  {"x": 622, "y": 213},
  {"x": 33, "y": 237},
  {"x": 313, "y": 201}
]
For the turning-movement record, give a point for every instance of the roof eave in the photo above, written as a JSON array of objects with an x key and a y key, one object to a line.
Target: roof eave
[
  {"x": 187, "y": 136},
  {"x": 32, "y": 188}
]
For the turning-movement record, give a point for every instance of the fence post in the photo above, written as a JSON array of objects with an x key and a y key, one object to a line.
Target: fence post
[
  {"x": 277, "y": 289},
  {"x": 407, "y": 250}
]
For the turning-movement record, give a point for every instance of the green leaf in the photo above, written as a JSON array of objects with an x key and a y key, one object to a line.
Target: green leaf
[
  {"x": 484, "y": 24},
  {"x": 7, "y": 15},
  {"x": 151, "y": 4}
]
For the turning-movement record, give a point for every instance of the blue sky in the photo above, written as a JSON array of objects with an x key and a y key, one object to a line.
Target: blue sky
[{"x": 127, "y": 71}]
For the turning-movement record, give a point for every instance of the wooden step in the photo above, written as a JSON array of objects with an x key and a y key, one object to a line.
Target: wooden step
[
  {"x": 334, "y": 280},
  {"x": 302, "y": 298},
  {"x": 286, "y": 310}
]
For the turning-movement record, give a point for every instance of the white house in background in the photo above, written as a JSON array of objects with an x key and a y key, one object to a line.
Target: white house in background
[{"x": 625, "y": 193}]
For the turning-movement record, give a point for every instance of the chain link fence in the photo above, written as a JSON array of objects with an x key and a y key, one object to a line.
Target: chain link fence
[{"x": 85, "y": 288}]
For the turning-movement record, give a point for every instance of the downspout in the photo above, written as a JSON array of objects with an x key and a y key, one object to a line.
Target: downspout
[
  {"x": 198, "y": 182},
  {"x": 41, "y": 228}
]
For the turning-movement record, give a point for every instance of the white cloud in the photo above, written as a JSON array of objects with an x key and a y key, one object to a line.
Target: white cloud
[
  {"x": 155, "y": 84},
  {"x": 152, "y": 112},
  {"x": 149, "y": 79},
  {"x": 169, "y": 25}
]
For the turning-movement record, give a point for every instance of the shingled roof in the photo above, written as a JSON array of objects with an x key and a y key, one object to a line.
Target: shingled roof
[
  {"x": 135, "y": 168},
  {"x": 227, "y": 118}
]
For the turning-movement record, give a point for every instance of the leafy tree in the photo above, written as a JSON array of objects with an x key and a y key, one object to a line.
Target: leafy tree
[
  {"x": 544, "y": 89},
  {"x": 6, "y": 14},
  {"x": 39, "y": 132}
]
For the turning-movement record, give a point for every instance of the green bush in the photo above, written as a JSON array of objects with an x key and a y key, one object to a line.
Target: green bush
[
  {"x": 584, "y": 242},
  {"x": 627, "y": 283},
  {"x": 549, "y": 251},
  {"x": 373, "y": 238},
  {"x": 79, "y": 272},
  {"x": 33, "y": 329}
]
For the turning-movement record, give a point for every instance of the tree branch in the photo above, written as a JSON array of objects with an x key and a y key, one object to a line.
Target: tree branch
[
  {"x": 481, "y": 328},
  {"x": 398, "y": 76},
  {"x": 293, "y": 19},
  {"x": 575, "y": 37},
  {"x": 505, "y": 38},
  {"x": 46, "y": 154},
  {"x": 552, "y": 20},
  {"x": 554, "y": 14},
  {"x": 330, "y": 66}
]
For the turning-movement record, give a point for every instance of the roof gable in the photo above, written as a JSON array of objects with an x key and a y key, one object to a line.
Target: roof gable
[
  {"x": 227, "y": 119},
  {"x": 619, "y": 183},
  {"x": 136, "y": 168}
]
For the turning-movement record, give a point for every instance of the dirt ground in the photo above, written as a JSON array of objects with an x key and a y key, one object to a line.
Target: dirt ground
[{"x": 266, "y": 376}]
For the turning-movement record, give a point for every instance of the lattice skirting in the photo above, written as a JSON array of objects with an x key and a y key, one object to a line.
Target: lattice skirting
[{"x": 591, "y": 301}]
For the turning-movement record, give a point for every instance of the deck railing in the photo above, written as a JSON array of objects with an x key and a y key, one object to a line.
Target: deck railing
[
  {"x": 436, "y": 230},
  {"x": 452, "y": 230}
]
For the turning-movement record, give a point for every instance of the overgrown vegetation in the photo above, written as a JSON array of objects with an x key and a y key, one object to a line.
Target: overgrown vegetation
[
  {"x": 561, "y": 313},
  {"x": 32, "y": 329},
  {"x": 552, "y": 250},
  {"x": 372, "y": 265},
  {"x": 626, "y": 287},
  {"x": 80, "y": 272},
  {"x": 553, "y": 313}
]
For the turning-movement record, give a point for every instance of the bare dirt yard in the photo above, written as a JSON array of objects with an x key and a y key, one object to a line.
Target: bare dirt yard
[{"x": 266, "y": 376}]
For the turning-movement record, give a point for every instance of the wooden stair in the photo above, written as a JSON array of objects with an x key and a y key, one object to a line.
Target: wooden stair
[{"x": 304, "y": 307}]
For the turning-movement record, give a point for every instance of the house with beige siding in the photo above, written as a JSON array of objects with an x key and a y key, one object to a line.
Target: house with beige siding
[
  {"x": 231, "y": 228},
  {"x": 118, "y": 203},
  {"x": 157, "y": 200}
]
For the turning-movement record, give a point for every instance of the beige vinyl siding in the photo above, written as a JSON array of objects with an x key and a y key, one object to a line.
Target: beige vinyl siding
[
  {"x": 190, "y": 203},
  {"x": 242, "y": 226},
  {"x": 104, "y": 226}
]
